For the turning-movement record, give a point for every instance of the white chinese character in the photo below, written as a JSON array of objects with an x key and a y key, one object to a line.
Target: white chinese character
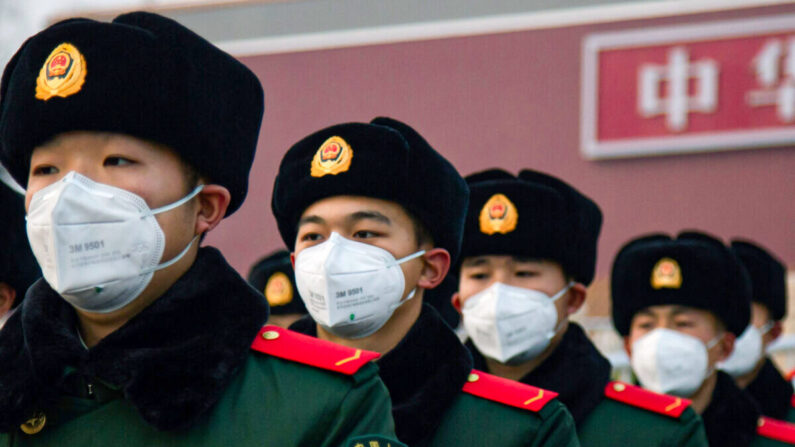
[
  {"x": 678, "y": 102},
  {"x": 776, "y": 90}
]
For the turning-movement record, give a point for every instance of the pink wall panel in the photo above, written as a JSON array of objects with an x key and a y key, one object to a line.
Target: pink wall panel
[{"x": 511, "y": 100}]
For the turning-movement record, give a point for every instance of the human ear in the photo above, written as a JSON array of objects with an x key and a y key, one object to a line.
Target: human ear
[
  {"x": 213, "y": 202},
  {"x": 726, "y": 344},
  {"x": 456, "y": 301},
  {"x": 436, "y": 264},
  {"x": 7, "y": 298},
  {"x": 627, "y": 345},
  {"x": 576, "y": 298}
]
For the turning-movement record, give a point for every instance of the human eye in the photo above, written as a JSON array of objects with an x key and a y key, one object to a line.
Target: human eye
[
  {"x": 310, "y": 237},
  {"x": 683, "y": 323},
  {"x": 365, "y": 234},
  {"x": 525, "y": 273},
  {"x": 41, "y": 170},
  {"x": 116, "y": 160}
]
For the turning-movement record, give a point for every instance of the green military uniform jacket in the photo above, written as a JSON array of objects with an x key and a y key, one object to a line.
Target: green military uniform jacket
[
  {"x": 609, "y": 414},
  {"x": 183, "y": 373},
  {"x": 438, "y": 400}
]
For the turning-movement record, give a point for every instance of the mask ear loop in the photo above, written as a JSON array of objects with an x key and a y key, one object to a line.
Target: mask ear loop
[
  {"x": 709, "y": 345},
  {"x": 414, "y": 290},
  {"x": 766, "y": 328},
  {"x": 179, "y": 202},
  {"x": 554, "y": 298}
]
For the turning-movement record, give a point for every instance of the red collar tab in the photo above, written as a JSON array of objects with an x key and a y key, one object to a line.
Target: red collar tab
[
  {"x": 289, "y": 345},
  {"x": 507, "y": 392},
  {"x": 775, "y": 429},
  {"x": 648, "y": 400}
]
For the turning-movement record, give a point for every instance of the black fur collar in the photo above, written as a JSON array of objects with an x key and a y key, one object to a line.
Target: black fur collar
[
  {"x": 172, "y": 361},
  {"x": 424, "y": 373},
  {"x": 771, "y": 391},
  {"x": 575, "y": 370},
  {"x": 730, "y": 418}
]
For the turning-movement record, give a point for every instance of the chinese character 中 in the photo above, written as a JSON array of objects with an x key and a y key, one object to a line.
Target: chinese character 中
[{"x": 678, "y": 103}]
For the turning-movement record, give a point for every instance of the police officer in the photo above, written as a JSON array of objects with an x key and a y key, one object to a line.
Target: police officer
[
  {"x": 273, "y": 276},
  {"x": 18, "y": 268},
  {"x": 680, "y": 303},
  {"x": 135, "y": 138},
  {"x": 374, "y": 216},
  {"x": 751, "y": 368},
  {"x": 529, "y": 253}
]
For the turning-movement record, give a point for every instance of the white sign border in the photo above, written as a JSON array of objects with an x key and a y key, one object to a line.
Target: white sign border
[{"x": 592, "y": 149}]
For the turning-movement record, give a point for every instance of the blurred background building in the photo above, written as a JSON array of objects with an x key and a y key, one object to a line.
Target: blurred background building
[{"x": 670, "y": 114}]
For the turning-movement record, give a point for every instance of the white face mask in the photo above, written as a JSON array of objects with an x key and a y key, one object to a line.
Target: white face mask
[
  {"x": 98, "y": 246},
  {"x": 748, "y": 350},
  {"x": 350, "y": 288},
  {"x": 670, "y": 362},
  {"x": 511, "y": 324}
]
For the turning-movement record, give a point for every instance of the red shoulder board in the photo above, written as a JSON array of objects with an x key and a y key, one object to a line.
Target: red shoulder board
[
  {"x": 775, "y": 429},
  {"x": 790, "y": 375},
  {"x": 301, "y": 348},
  {"x": 648, "y": 400},
  {"x": 507, "y": 392}
]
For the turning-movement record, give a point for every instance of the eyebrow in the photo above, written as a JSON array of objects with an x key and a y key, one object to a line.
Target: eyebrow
[
  {"x": 311, "y": 219},
  {"x": 475, "y": 262},
  {"x": 679, "y": 310},
  {"x": 368, "y": 215}
]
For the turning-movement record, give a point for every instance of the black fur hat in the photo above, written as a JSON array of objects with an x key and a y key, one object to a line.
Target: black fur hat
[
  {"x": 142, "y": 75},
  {"x": 768, "y": 276},
  {"x": 18, "y": 267},
  {"x": 273, "y": 276},
  {"x": 695, "y": 270},
  {"x": 532, "y": 215},
  {"x": 385, "y": 159}
]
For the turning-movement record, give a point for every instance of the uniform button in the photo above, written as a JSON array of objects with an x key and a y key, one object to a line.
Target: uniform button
[
  {"x": 473, "y": 377},
  {"x": 270, "y": 335},
  {"x": 619, "y": 387},
  {"x": 34, "y": 424},
  {"x": 760, "y": 422}
]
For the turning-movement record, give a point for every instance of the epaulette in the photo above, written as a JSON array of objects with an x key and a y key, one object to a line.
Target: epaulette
[
  {"x": 648, "y": 400},
  {"x": 289, "y": 345},
  {"x": 507, "y": 392},
  {"x": 775, "y": 429},
  {"x": 790, "y": 375}
]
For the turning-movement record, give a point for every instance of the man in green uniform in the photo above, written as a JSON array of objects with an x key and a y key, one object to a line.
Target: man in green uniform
[
  {"x": 680, "y": 303},
  {"x": 134, "y": 138},
  {"x": 375, "y": 215},
  {"x": 751, "y": 368},
  {"x": 529, "y": 253},
  {"x": 18, "y": 268},
  {"x": 273, "y": 276}
]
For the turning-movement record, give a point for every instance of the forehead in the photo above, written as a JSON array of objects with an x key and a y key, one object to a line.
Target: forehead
[
  {"x": 80, "y": 142},
  {"x": 673, "y": 310},
  {"x": 338, "y": 207},
  {"x": 497, "y": 261}
]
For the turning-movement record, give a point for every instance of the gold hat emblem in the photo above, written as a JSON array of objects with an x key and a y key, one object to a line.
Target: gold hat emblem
[
  {"x": 667, "y": 274},
  {"x": 333, "y": 157},
  {"x": 498, "y": 215},
  {"x": 63, "y": 73},
  {"x": 279, "y": 289}
]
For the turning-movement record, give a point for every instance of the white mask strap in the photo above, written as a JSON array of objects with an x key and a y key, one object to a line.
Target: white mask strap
[
  {"x": 410, "y": 257},
  {"x": 568, "y": 286},
  {"x": 173, "y": 260},
  {"x": 711, "y": 344},
  {"x": 179, "y": 202},
  {"x": 766, "y": 328}
]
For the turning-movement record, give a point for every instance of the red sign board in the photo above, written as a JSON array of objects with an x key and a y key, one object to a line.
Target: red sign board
[{"x": 713, "y": 86}]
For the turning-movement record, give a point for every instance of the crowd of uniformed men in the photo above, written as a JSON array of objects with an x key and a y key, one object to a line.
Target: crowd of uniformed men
[{"x": 135, "y": 138}]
